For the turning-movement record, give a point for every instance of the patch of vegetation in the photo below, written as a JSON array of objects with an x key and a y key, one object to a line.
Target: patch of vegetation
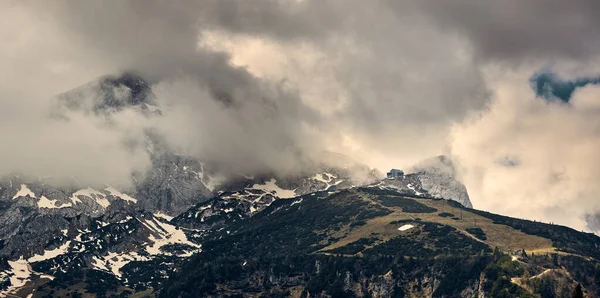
[
  {"x": 407, "y": 205},
  {"x": 402, "y": 246},
  {"x": 437, "y": 230},
  {"x": 580, "y": 269},
  {"x": 380, "y": 192},
  {"x": 145, "y": 274},
  {"x": 446, "y": 214},
  {"x": 435, "y": 240},
  {"x": 401, "y": 221},
  {"x": 278, "y": 230},
  {"x": 177, "y": 248},
  {"x": 464, "y": 273},
  {"x": 83, "y": 282},
  {"x": 354, "y": 247},
  {"x": 477, "y": 232},
  {"x": 358, "y": 223},
  {"x": 498, "y": 276},
  {"x": 563, "y": 238},
  {"x": 149, "y": 293}
]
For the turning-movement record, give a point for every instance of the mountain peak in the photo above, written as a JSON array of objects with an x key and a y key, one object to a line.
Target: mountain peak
[
  {"x": 110, "y": 93},
  {"x": 437, "y": 176},
  {"x": 139, "y": 89}
]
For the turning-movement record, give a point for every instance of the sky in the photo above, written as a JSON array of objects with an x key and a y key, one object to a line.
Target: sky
[{"x": 508, "y": 89}]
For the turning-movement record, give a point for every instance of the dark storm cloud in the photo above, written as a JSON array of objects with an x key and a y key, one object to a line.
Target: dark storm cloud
[
  {"x": 521, "y": 31},
  {"x": 231, "y": 117},
  {"x": 213, "y": 109},
  {"x": 391, "y": 71},
  {"x": 161, "y": 36}
]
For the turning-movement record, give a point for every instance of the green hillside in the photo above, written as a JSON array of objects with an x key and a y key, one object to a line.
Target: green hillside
[{"x": 372, "y": 242}]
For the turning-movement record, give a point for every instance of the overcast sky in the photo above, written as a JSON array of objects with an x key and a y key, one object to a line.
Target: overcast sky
[{"x": 247, "y": 83}]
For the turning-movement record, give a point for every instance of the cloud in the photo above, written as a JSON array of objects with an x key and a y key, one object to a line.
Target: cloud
[
  {"x": 340, "y": 85},
  {"x": 265, "y": 85},
  {"x": 593, "y": 221},
  {"x": 554, "y": 144},
  {"x": 515, "y": 32},
  {"x": 384, "y": 98},
  {"x": 83, "y": 150}
]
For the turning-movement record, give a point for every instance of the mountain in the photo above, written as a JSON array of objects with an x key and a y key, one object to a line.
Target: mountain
[
  {"x": 102, "y": 227},
  {"x": 374, "y": 240},
  {"x": 335, "y": 228},
  {"x": 434, "y": 177},
  {"x": 379, "y": 242},
  {"x": 175, "y": 181},
  {"x": 109, "y": 94}
]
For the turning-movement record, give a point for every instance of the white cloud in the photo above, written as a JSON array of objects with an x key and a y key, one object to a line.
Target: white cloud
[{"x": 554, "y": 146}]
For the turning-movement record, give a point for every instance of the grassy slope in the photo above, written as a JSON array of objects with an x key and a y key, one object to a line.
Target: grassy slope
[{"x": 498, "y": 235}]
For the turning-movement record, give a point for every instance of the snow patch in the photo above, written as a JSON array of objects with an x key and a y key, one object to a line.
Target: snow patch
[
  {"x": 204, "y": 207},
  {"x": 95, "y": 195},
  {"x": 405, "y": 227},
  {"x": 49, "y": 254},
  {"x": 127, "y": 218},
  {"x": 51, "y": 204},
  {"x": 21, "y": 274},
  {"x": 99, "y": 263},
  {"x": 319, "y": 177},
  {"x": 411, "y": 187},
  {"x": 167, "y": 234},
  {"x": 113, "y": 262},
  {"x": 163, "y": 216},
  {"x": 271, "y": 187},
  {"x": 120, "y": 195},
  {"x": 200, "y": 210},
  {"x": 24, "y": 191},
  {"x": 326, "y": 178}
]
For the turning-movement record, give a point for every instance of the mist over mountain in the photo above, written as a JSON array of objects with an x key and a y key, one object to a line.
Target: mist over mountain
[
  {"x": 252, "y": 85},
  {"x": 146, "y": 135}
]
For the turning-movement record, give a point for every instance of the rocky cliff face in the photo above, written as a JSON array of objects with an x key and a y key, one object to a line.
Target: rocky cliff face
[
  {"x": 438, "y": 177},
  {"x": 433, "y": 178}
]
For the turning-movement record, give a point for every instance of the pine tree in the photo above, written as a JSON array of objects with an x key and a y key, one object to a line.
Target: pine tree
[{"x": 578, "y": 293}]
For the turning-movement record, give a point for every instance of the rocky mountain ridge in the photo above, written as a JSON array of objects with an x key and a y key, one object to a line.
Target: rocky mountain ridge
[
  {"x": 106, "y": 230},
  {"x": 49, "y": 246}
]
